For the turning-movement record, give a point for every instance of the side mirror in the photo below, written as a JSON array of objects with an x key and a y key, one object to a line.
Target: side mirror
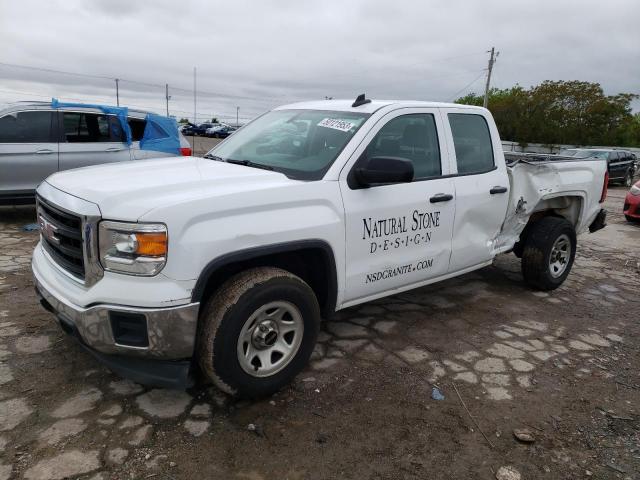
[{"x": 381, "y": 171}]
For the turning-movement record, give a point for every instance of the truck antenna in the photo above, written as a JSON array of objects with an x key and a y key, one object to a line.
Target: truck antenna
[{"x": 360, "y": 100}]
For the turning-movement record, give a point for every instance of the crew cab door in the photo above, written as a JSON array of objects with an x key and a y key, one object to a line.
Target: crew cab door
[
  {"x": 399, "y": 235},
  {"x": 89, "y": 138},
  {"x": 481, "y": 185}
]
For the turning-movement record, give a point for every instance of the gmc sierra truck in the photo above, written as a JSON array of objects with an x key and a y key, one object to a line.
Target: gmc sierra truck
[{"x": 229, "y": 262}]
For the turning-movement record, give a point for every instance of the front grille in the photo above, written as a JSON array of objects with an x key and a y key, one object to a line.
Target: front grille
[{"x": 61, "y": 234}]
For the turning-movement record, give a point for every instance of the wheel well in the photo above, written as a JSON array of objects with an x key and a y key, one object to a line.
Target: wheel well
[
  {"x": 568, "y": 207},
  {"x": 313, "y": 262}
]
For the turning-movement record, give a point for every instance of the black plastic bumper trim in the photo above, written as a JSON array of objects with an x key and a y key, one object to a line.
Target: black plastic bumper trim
[{"x": 600, "y": 221}]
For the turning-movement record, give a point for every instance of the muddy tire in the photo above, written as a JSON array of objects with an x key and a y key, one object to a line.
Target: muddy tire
[
  {"x": 548, "y": 254},
  {"x": 628, "y": 179},
  {"x": 257, "y": 332}
]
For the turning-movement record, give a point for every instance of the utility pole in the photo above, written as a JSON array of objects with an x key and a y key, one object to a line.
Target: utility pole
[
  {"x": 237, "y": 113},
  {"x": 195, "y": 121},
  {"x": 492, "y": 61},
  {"x": 166, "y": 95},
  {"x": 117, "y": 92}
]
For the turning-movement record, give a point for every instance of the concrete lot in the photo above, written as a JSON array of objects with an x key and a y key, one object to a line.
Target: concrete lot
[
  {"x": 201, "y": 145},
  {"x": 563, "y": 366}
]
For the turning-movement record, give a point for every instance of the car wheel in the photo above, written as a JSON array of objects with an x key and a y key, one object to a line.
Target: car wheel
[
  {"x": 630, "y": 219},
  {"x": 258, "y": 331},
  {"x": 548, "y": 254},
  {"x": 628, "y": 180}
]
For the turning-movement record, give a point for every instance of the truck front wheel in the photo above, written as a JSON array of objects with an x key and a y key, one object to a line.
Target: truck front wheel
[
  {"x": 258, "y": 331},
  {"x": 548, "y": 254}
]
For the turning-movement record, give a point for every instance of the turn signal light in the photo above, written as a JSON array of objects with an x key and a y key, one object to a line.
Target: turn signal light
[
  {"x": 151, "y": 244},
  {"x": 185, "y": 151}
]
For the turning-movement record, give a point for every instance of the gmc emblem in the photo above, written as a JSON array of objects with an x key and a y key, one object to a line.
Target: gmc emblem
[{"x": 48, "y": 230}]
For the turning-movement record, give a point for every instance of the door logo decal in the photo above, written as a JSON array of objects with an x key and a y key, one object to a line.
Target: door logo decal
[{"x": 397, "y": 232}]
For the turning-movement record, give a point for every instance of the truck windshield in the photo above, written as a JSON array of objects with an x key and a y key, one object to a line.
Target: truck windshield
[{"x": 301, "y": 144}]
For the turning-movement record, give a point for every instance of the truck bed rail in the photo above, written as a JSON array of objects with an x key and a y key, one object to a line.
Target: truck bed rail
[{"x": 513, "y": 158}]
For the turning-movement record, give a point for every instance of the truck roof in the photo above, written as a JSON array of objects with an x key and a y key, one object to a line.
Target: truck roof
[{"x": 374, "y": 105}]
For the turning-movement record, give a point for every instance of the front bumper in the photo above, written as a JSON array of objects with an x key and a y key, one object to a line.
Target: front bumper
[
  {"x": 632, "y": 206},
  {"x": 159, "y": 350}
]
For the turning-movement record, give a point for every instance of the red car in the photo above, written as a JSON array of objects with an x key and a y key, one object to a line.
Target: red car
[{"x": 632, "y": 203}]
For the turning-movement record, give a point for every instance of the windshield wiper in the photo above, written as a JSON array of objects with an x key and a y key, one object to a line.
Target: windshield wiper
[
  {"x": 213, "y": 157},
  {"x": 249, "y": 163}
]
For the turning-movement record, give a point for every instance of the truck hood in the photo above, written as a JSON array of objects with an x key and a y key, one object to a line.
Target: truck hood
[{"x": 126, "y": 191}]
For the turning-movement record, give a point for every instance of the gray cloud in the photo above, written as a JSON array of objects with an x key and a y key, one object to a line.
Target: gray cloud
[{"x": 263, "y": 53}]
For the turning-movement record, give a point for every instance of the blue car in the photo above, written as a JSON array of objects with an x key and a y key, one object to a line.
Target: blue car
[
  {"x": 196, "y": 129},
  {"x": 223, "y": 132}
]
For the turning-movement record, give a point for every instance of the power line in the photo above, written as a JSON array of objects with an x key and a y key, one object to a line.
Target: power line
[
  {"x": 145, "y": 84},
  {"x": 453, "y": 97},
  {"x": 228, "y": 115}
]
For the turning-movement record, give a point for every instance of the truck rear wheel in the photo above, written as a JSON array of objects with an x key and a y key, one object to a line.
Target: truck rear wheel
[
  {"x": 258, "y": 331},
  {"x": 548, "y": 254}
]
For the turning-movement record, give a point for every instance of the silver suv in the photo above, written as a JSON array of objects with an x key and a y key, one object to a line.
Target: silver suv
[{"x": 37, "y": 140}]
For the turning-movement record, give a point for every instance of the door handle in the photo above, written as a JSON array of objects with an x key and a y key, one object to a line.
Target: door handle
[
  {"x": 114, "y": 149},
  {"x": 495, "y": 190},
  {"x": 44, "y": 151},
  {"x": 441, "y": 197}
]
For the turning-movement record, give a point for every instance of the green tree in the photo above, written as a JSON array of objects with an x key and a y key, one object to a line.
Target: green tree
[
  {"x": 184, "y": 120},
  {"x": 562, "y": 112},
  {"x": 214, "y": 120}
]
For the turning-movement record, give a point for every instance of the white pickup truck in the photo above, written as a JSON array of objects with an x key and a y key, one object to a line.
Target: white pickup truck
[{"x": 230, "y": 261}]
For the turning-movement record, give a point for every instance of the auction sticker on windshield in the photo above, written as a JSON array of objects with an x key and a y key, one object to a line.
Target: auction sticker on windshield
[{"x": 336, "y": 124}]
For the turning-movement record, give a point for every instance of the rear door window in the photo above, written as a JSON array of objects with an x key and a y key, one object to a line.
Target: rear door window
[
  {"x": 79, "y": 127},
  {"x": 472, "y": 141},
  {"x": 27, "y": 127}
]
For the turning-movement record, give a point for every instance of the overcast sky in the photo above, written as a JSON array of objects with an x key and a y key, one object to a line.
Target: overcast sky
[{"x": 262, "y": 53}]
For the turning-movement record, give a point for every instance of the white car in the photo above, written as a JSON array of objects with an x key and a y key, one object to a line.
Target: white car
[{"x": 231, "y": 261}]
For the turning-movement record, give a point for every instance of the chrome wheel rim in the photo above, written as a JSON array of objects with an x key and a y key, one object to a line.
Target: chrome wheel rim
[
  {"x": 628, "y": 180},
  {"x": 270, "y": 338},
  {"x": 560, "y": 255}
]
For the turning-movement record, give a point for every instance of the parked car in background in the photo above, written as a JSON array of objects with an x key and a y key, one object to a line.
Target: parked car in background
[
  {"x": 223, "y": 132},
  {"x": 211, "y": 130},
  {"x": 631, "y": 208},
  {"x": 38, "y": 139},
  {"x": 197, "y": 129},
  {"x": 622, "y": 164}
]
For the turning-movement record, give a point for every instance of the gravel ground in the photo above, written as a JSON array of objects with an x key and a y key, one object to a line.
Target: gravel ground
[{"x": 560, "y": 369}]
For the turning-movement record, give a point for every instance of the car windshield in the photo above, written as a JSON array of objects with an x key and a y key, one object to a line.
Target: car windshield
[
  {"x": 570, "y": 152},
  {"x": 579, "y": 153},
  {"x": 594, "y": 154},
  {"x": 302, "y": 144}
]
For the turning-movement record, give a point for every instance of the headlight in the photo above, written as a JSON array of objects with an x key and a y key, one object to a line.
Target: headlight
[
  {"x": 635, "y": 190},
  {"x": 133, "y": 248}
]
